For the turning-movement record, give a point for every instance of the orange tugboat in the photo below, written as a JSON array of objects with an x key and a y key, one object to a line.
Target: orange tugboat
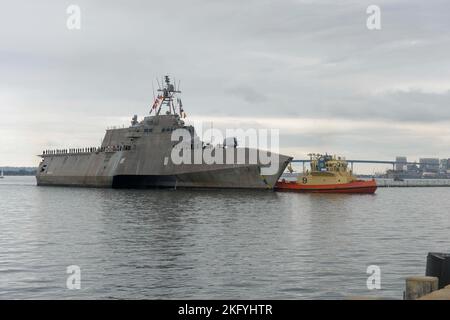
[{"x": 329, "y": 174}]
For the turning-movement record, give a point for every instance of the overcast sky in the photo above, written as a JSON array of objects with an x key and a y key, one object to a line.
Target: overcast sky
[{"x": 310, "y": 68}]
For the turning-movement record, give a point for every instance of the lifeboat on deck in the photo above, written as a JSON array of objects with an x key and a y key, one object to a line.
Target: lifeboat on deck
[{"x": 328, "y": 174}]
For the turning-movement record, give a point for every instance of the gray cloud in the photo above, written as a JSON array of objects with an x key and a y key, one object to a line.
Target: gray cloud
[
  {"x": 247, "y": 93},
  {"x": 287, "y": 58}
]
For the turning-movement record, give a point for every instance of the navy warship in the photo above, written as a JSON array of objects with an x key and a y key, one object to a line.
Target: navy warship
[{"x": 141, "y": 156}]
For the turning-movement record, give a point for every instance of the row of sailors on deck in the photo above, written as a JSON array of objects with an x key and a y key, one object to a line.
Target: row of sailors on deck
[{"x": 87, "y": 150}]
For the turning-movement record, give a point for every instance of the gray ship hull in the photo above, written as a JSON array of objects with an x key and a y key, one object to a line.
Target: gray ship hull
[
  {"x": 89, "y": 170},
  {"x": 142, "y": 156}
]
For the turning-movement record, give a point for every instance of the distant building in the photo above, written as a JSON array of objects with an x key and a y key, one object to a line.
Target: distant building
[
  {"x": 443, "y": 165},
  {"x": 428, "y": 168},
  {"x": 400, "y": 164},
  {"x": 429, "y": 165},
  {"x": 412, "y": 168}
]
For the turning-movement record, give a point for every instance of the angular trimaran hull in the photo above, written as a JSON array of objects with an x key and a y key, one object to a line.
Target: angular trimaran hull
[
  {"x": 126, "y": 169},
  {"x": 140, "y": 157}
]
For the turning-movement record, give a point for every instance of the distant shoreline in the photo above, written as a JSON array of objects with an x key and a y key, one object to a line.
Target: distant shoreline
[{"x": 19, "y": 171}]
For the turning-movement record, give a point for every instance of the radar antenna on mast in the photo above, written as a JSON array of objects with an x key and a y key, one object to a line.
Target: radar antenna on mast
[{"x": 167, "y": 97}]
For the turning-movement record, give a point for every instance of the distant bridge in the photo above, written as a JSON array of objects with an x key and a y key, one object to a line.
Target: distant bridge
[{"x": 392, "y": 162}]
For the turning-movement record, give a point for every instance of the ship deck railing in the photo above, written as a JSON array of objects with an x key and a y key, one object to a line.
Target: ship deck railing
[{"x": 84, "y": 151}]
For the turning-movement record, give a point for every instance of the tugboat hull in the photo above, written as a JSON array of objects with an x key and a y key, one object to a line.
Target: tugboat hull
[{"x": 359, "y": 186}]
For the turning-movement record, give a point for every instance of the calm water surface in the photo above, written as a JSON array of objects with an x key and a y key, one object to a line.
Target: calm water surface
[{"x": 214, "y": 243}]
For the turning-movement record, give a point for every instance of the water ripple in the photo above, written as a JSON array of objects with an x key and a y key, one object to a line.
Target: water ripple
[{"x": 213, "y": 243}]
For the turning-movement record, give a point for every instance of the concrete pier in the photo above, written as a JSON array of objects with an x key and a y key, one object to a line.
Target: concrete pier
[
  {"x": 390, "y": 183},
  {"x": 443, "y": 294},
  {"x": 419, "y": 286}
]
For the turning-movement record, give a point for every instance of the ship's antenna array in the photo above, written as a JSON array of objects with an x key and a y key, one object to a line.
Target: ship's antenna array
[
  {"x": 153, "y": 90},
  {"x": 157, "y": 81},
  {"x": 167, "y": 96}
]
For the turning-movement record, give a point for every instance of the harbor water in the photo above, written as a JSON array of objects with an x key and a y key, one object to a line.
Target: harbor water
[{"x": 210, "y": 244}]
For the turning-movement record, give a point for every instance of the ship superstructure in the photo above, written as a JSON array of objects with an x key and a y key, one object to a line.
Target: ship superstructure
[{"x": 140, "y": 156}]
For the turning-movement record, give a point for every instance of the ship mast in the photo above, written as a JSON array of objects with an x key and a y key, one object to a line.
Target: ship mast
[{"x": 167, "y": 97}]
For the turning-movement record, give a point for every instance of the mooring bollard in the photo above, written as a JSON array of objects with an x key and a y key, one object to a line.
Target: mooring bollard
[
  {"x": 438, "y": 265},
  {"x": 419, "y": 286}
]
